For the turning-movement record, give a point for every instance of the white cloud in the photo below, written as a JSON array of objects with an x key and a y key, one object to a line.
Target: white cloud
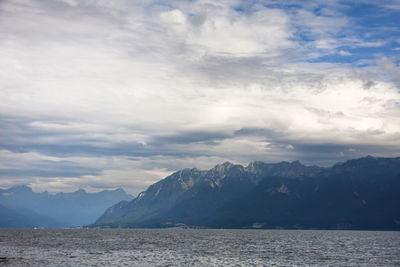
[
  {"x": 121, "y": 78},
  {"x": 344, "y": 53}
]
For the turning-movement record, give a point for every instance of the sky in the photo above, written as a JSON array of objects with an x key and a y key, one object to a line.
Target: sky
[{"x": 100, "y": 94}]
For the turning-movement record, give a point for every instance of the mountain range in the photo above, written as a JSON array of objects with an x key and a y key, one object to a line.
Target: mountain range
[
  {"x": 21, "y": 207},
  {"x": 360, "y": 194}
]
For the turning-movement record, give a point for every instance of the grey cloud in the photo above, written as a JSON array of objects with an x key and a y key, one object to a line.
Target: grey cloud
[
  {"x": 262, "y": 132},
  {"x": 388, "y": 69},
  {"x": 311, "y": 152},
  {"x": 210, "y": 138},
  {"x": 50, "y": 169},
  {"x": 369, "y": 84},
  {"x": 328, "y": 154},
  {"x": 267, "y": 72},
  {"x": 325, "y": 113},
  {"x": 19, "y": 136},
  {"x": 64, "y": 150}
]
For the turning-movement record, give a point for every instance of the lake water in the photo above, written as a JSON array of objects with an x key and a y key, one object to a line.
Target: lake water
[{"x": 191, "y": 247}]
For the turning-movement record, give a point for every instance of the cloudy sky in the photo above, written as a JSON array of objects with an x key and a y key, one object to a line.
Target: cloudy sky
[{"x": 99, "y": 94}]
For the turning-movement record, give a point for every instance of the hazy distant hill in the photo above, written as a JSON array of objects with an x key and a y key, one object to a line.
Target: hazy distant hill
[
  {"x": 358, "y": 194},
  {"x": 10, "y": 218},
  {"x": 58, "y": 210}
]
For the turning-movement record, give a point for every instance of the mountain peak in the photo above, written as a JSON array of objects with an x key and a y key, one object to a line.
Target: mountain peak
[
  {"x": 80, "y": 191},
  {"x": 187, "y": 171},
  {"x": 362, "y": 160},
  {"x": 226, "y": 166},
  {"x": 21, "y": 188},
  {"x": 297, "y": 162},
  {"x": 254, "y": 163}
]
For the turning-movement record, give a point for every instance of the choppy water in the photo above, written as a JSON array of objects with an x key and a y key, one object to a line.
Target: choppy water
[{"x": 189, "y": 247}]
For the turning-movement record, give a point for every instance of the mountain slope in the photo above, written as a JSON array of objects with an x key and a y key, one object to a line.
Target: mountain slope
[
  {"x": 192, "y": 196},
  {"x": 13, "y": 219},
  {"x": 358, "y": 194}
]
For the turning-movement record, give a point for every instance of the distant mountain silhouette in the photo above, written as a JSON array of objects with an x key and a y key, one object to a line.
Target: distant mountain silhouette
[
  {"x": 358, "y": 194},
  {"x": 13, "y": 219},
  {"x": 25, "y": 208}
]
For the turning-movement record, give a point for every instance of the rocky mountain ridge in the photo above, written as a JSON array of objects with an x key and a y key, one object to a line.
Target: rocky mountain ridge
[{"x": 358, "y": 194}]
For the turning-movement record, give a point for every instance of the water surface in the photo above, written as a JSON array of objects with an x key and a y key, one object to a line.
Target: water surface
[{"x": 192, "y": 247}]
